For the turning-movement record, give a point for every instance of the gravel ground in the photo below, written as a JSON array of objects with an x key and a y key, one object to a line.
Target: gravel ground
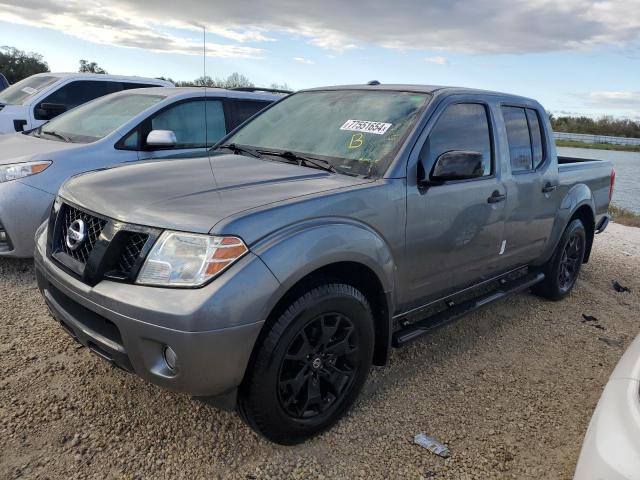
[{"x": 510, "y": 389}]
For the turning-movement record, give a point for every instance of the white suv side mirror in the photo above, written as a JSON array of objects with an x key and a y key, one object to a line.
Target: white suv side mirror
[{"x": 161, "y": 138}]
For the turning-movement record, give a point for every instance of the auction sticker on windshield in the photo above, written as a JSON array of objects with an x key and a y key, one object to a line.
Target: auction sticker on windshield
[
  {"x": 29, "y": 90},
  {"x": 379, "y": 128}
]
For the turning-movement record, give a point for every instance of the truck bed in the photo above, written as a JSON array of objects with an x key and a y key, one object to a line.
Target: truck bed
[{"x": 596, "y": 174}]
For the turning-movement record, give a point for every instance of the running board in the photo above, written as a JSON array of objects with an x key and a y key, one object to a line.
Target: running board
[{"x": 421, "y": 327}]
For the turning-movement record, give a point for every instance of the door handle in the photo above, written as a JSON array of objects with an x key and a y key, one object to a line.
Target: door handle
[
  {"x": 496, "y": 197},
  {"x": 549, "y": 188}
]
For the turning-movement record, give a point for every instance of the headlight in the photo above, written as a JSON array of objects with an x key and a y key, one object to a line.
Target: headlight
[
  {"x": 21, "y": 170},
  {"x": 188, "y": 259}
]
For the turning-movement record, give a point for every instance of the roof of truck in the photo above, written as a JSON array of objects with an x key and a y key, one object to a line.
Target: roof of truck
[{"x": 431, "y": 89}]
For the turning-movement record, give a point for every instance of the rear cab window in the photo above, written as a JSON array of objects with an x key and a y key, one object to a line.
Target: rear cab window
[{"x": 524, "y": 135}]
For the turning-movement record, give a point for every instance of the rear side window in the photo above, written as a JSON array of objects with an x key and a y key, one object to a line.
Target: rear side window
[
  {"x": 536, "y": 137},
  {"x": 515, "y": 121},
  {"x": 187, "y": 121},
  {"x": 242, "y": 110},
  {"x": 129, "y": 86},
  {"x": 462, "y": 126}
]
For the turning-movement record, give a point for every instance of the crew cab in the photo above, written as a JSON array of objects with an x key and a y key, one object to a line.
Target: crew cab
[
  {"x": 37, "y": 99},
  {"x": 337, "y": 223}
]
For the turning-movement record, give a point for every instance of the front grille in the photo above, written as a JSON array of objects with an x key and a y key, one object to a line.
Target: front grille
[
  {"x": 111, "y": 249},
  {"x": 94, "y": 226},
  {"x": 131, "y": 251}
]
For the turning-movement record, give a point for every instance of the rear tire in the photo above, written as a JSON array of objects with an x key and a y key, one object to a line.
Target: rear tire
[
  {"x": 310, "y": 366},
  {"x": 562, "y": 270}
]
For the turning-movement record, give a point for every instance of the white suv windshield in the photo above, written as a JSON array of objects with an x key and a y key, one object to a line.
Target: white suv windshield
[
  {"x": 97, "y": 119},
  {"x": 17, "y": 93},
  {"x": 357, "y": 131}
]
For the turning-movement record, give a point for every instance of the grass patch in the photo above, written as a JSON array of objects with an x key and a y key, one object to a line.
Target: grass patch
[
  {"x": 598, "y": 146},
  {"x": 624, "y": 216}
]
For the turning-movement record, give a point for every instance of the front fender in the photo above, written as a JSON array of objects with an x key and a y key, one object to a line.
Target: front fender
[
  {"x": 576, "y": 197},
  {"x": 294, "y": 252}
]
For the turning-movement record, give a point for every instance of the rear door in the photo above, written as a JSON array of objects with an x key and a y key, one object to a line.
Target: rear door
[
  {"x": 454, "y": 230},
  {"x": 531, "y": 186}
]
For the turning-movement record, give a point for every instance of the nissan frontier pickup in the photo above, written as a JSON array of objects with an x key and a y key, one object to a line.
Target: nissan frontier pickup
[{"x": 338, "y": 223}]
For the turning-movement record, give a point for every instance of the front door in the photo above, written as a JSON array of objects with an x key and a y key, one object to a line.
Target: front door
[{"x": 454, "y": 230}]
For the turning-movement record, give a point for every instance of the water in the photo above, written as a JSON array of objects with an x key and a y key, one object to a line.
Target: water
[{"x": 627, "y": 166}]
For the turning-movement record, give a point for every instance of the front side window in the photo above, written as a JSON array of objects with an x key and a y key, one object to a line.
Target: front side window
[
  {"x": 187, "y": 121},
  {"x": 76, "y": 93},
  {"x": 21, "y": 92},
  {"x": 95, "y": 120},
  {"x": 462, "y": 126},
  {"x": 357, "y": 131},
  {"x": 515, "y": 120}
]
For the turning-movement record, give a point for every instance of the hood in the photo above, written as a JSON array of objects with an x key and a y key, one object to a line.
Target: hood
[
  {"x": 17, "y": 147},
  {"x": 194, "y": 194}
]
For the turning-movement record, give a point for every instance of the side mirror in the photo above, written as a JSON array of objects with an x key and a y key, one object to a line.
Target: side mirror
[
  {"x": 47, "y": 111},
  {"x": 161, "y": 138},
  {"x": 457, "y": 165}
]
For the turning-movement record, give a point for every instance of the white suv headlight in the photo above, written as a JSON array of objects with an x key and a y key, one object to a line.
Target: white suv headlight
[
  {"x": 21, "y": 170},
  {"x": 189, "y": 259}
]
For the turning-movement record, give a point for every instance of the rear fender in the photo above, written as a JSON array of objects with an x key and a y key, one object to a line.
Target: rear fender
[{"x": 577, "y": 197}]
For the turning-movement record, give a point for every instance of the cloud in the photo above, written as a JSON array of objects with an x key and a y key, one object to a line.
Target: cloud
[
  {"x": 95, "y": 23},
  {"x": 437, "y": 60},
  {"x": 303, "y": 60},
  {"x": 609, "y": 100},
  {"x": 470, "y": 26}
]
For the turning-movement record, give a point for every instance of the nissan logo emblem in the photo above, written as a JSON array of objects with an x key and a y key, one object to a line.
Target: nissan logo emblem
[{"x": 76, "y": 234}]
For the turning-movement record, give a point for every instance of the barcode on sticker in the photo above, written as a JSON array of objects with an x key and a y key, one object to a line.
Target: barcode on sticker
[{"x": 379, "y": 128}]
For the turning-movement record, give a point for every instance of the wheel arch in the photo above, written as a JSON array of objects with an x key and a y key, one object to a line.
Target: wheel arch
[
  {"x": 577, "y": 203},
  {"x": 323, "y": 251}
]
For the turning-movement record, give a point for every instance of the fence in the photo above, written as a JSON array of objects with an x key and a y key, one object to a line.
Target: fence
[{"x": 588, "y": 138}]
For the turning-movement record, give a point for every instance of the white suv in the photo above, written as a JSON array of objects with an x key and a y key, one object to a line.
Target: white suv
[{"x": 39, "y": 98}]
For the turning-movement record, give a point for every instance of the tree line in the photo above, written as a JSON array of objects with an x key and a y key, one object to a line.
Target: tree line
[
  {"x": 607, "y": 125},
  {"x": 16, "y": 65}
]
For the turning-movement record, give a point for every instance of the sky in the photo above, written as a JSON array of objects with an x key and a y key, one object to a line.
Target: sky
[{"x": 574, "y": 56}]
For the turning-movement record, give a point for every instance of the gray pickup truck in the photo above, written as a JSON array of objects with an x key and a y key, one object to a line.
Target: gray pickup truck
[{"x": 337, "y": 223}]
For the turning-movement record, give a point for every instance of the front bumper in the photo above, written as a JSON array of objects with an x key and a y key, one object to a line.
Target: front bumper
[
  {"x": 611, "y": 448},
  {"x": 212, "y": 329},
  {"x": 22, "y": 209}
]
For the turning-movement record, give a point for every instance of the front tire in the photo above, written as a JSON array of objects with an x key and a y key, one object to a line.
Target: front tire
[
  {"x": 561, "y": 272},
  {"x": 311, "y": 365}
]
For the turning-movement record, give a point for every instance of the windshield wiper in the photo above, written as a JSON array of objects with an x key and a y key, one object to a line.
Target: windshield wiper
[
  {"x": 57, "y": 135},
  {"x": 303, "y": 160},
  {"x": 238, "y": 149}
]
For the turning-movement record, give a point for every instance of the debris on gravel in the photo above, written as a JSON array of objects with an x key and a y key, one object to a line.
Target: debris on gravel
[{"x": 499, "y": 387}]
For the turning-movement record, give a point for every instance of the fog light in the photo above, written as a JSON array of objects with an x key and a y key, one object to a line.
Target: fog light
[
  {"x": 170, "y": 357},
  {"x": 3, "y": 236}
]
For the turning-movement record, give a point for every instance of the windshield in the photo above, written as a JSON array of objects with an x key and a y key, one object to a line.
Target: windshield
[
  {"x": 17, "y": 93},
  {"x": 97, "y": 119},
  {"x": 358, "y": 131}
]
